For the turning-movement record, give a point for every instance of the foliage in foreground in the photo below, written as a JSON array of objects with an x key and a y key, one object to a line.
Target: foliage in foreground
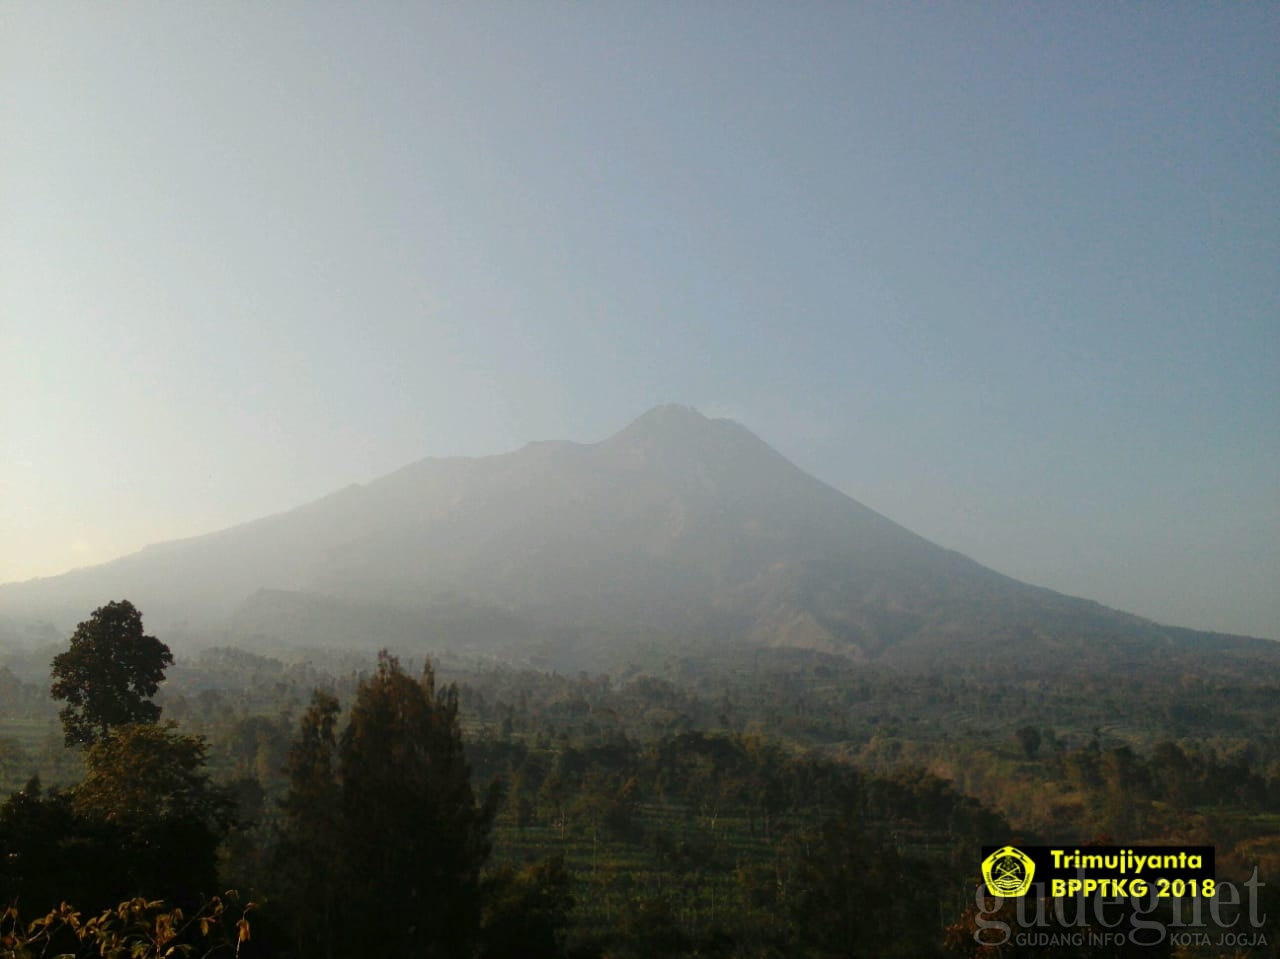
[{"x": 136, "y": 929}]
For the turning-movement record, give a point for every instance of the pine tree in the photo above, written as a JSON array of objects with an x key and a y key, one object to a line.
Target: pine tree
[
  {"x": 409, "y": 837},
  {"x": 413, "y": 828},
  {"x": 309, "y": 857}
]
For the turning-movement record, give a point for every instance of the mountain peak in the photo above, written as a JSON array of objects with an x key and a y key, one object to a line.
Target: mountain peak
[
  {"x": 686, "y": 434},
  {"x": 669, "y": 416}
]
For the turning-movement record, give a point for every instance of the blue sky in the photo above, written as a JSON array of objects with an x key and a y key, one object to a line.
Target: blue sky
[{"x": 1009, "y": 274}]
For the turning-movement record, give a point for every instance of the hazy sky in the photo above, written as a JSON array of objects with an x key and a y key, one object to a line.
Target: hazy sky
[{"x": 1009, "y": 274}]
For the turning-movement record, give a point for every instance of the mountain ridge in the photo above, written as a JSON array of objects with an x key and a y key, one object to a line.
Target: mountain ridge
[{"x": 677, "y": 525}]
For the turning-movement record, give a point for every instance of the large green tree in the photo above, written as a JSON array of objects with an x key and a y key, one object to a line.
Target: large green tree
[
  {"x": 109, "y": 674},
  {"x": 145, "y": 820},
  {"x": 149, "y": 785},
  {"x": 409, "y": 835}
]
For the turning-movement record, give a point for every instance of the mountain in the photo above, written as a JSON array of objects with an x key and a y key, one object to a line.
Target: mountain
[{"x": 679, "y": 527}]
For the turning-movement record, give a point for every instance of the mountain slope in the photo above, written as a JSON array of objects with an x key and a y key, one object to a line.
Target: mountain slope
[{"x": 677, "y": 526}]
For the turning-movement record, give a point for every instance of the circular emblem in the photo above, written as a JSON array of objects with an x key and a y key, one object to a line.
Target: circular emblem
[{"x": 1008, "y": 872}]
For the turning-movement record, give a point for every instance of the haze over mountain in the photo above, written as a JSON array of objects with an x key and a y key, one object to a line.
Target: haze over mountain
[{"x": 678, "y": 526}]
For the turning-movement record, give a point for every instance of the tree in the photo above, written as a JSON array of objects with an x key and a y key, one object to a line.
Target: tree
[
  {"x": 853, "y": 893},
  {"x": 145, "y": 820},
  {"x": 526, "y": 913},
  {"x": 309, "y": 854},
  {"x": 409, "y": 835},
  {"x": 48, "y": 854},
  {"x": 109, "y": 674},
  {"x": 148, "y": 784},
  {"x": 415, "y": 833},
  {"x": 1029, "y": 740}
]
